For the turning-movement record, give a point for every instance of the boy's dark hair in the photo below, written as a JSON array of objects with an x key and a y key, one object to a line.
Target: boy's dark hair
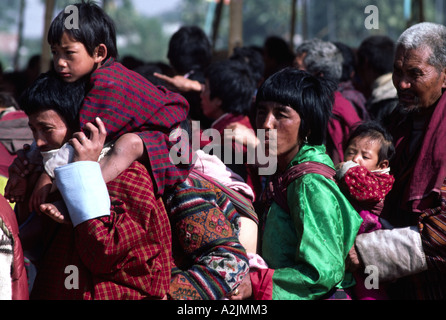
[
  {"x": 95, "y": 27},
  {"x": 49, "y": 92},
  {"x": 312, "y": 98},
  {"x": 376, "y": 132},
  {"x": 189, "y": 49},
  {"x": 232, "y": 82}
]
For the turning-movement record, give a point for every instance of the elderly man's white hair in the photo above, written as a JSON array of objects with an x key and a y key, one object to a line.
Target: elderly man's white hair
[{"x": 426, "y": 34}]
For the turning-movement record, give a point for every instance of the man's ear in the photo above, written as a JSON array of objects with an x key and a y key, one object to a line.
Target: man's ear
[
  {"x": 383, "y": 164},
  {"x": 444, "y": 78},
  {"x": 100, "y": 53}
]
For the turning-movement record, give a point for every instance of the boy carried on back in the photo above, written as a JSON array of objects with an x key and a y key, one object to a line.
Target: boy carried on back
[{"x": 124, "y": 100}]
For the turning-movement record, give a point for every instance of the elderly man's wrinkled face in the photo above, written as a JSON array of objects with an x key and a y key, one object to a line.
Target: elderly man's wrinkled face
[{"x": 418, "y": 83}]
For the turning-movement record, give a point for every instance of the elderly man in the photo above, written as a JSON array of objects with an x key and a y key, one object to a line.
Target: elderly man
[
  {"x": 411, "y": 256},
  {"x": 324, "y": 59}
]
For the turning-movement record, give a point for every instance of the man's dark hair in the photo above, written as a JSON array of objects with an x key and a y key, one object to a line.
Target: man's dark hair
[
  {"x": 349, "y": 64},
  {"x": 312, "y": 97},
  {"x": 232, "y": 82},
  {"x": 379, "y": 52},
  {"x": 189, "y": 49},
  {"x": 49, "y": 92},
  {"x": 95, "y": 27},
  {"x": 253, "y": 58},
  {"x": 376, "y": 132}
]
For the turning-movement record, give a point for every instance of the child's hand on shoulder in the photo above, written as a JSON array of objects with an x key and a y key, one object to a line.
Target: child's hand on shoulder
[{"x": 89, "y": 148}]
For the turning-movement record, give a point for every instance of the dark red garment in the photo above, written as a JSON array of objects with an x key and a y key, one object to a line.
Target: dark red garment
[
  {"x": 417, "y": 198},
  {"x": 18, "y": 275},
  {"x": 356, "y": 98},
  {"x": 127, "y": 102},
  {"x": 418, "y": 175},
  {"x": 339, "y": 127},
  {"x": 124, "y": 256}
]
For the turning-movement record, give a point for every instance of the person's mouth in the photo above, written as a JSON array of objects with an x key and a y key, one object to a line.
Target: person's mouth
[
  {"x": 64, "y": 75},
  {"x": 406, "y": 97}
]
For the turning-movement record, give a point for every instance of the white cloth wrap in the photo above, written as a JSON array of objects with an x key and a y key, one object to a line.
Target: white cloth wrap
[{"x": 396, "y": 252}]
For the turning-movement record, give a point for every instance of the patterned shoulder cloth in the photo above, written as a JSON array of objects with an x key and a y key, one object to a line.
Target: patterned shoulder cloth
[{"x": 243, "y": 206}]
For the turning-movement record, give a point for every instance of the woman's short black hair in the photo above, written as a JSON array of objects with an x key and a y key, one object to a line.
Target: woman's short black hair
[
  {"x": 376, "y": 132},
  {"x": 233, "y": 83},
  {"x": 312, "y": 98},
  {"x": 49, "y": 92},
  {"x": 94, "y": 27}
]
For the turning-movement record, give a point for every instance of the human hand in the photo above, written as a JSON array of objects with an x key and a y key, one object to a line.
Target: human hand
[
  {"x": 243, "y": 135},
  {"x": 352, "y": 262},
  {"x": 89, "y": 149},
  {"x": 339, "y": 165},
  {"x": 15, "y": 190},
  {"x": 244, "y": 290},
  {"x": 181, "y": 83}
]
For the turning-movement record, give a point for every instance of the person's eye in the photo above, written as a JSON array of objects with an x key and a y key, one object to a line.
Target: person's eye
[{"x": 47, "y": 129}]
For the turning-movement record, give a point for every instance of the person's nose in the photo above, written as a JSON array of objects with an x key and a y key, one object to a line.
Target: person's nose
[
  {"x": 40, "y": 140},
  {"x": 403, "y": 83},
  {"x": 269, "y": 122},
  {"x": 357, "y": 159},
  {"x": 60, "y": 62}
]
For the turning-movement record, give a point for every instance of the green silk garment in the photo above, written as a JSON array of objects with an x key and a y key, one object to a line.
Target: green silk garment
[{"x": 307, "y": 248}]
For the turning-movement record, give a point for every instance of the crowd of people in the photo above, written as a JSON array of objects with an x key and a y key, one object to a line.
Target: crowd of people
[{"x": 91, "y": 186}]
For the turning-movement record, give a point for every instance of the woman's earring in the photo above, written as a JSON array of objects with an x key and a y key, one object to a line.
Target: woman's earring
[{"x": 306, "y": 140}]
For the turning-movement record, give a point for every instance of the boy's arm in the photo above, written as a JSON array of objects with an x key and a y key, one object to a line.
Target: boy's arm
[{"x": 127, "y": 149}]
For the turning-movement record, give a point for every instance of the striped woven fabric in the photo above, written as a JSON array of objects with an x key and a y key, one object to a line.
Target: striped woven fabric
[
  {"x": 432, "y": 225},
  {"x": 243, "y": 206},
  {"x": 433, "y": 231},
  {"x": 210, "y": 261},
  {"x": 127, "y": 102}
]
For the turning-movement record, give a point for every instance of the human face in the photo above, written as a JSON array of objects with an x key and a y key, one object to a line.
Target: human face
[
  {"x": 419, "y": 84},
  {"x": 299, "y": 61},
  {"x": 286, "y": 121},
  {"x": 72, "y": 61},
  {"x": 211, "y": 107},
  {"x": 49, "y": 129},
  {"x": 365, "y": 152}
]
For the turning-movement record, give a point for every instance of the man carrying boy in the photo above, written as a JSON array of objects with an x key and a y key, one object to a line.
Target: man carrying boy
[
  {"x": 116, "y": 241},
  {"x": 124, "y": 100}
]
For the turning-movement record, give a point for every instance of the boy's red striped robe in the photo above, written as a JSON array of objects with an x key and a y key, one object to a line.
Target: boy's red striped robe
[{"x": 127, "y": 102}]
